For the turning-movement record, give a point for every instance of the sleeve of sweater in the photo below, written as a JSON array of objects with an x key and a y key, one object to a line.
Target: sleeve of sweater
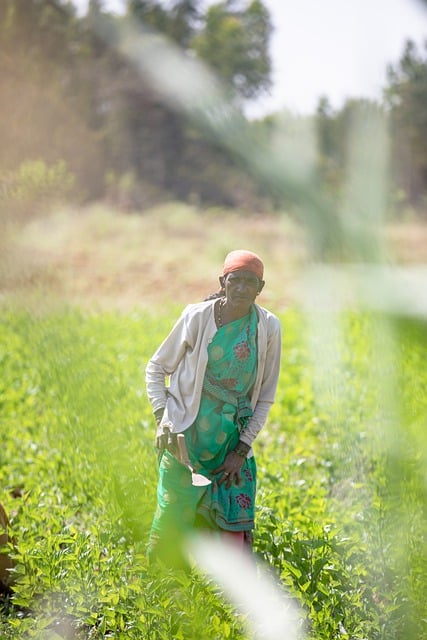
[
  {"x": 268, "y": 386},
  {"x": 164, "y": 362}
]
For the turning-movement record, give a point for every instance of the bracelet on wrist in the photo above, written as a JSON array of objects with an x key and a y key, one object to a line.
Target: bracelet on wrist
[
  {"x": 242, "y": 449},
  {"x": 158, "y": 415}
]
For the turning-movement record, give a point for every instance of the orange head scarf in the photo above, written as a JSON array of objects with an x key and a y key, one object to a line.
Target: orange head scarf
[{"x": 245, "y": 260}]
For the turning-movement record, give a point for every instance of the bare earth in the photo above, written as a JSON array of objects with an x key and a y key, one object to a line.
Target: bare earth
[{"x": 102, "y": 259}]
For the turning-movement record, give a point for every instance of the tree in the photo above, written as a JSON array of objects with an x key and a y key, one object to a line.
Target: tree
[
  {"x": 334, "y": 135},
  {"x": 149, "y": 13},
  {"x": 329, "y": 148},
  {"x": 234, "y": 41},
  {"x": 184, "y": 21},
  {"x": 68, "y": 94},
  {"x": 406, "y": 97},
  {"x": 44, "y": 107}
]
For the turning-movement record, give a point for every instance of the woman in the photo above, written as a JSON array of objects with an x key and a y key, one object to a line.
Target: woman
[{"x": 222, "y": 359}]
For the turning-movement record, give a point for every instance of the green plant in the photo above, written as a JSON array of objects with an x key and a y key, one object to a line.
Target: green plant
[
  {"x": 341, "y": 515},
  {"x": 33, "y": 188}
]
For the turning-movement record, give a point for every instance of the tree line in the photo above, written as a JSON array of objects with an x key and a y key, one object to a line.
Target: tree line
[{"x": 71, "y": 98}]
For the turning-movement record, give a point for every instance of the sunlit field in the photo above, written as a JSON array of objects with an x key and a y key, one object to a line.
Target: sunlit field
[
  {"x": 342, "y": 492},
  {"x": 128, "y": 170}
]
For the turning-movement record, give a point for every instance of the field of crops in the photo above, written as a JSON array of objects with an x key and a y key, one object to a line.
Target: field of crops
[{"x": 342, "y": 487}]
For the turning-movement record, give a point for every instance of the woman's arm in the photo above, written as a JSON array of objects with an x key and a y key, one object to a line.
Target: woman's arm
[
  {"x": 268, "y": 385},
  {"x": 164, "y": 362}
]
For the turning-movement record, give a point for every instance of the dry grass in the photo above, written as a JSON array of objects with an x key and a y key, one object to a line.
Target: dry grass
[
  {"x": 408, "y": 242},
  {"x": 99, "y": 258}
]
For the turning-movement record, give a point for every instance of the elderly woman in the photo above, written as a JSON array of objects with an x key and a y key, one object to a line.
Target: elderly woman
[{"x": 221, "y": 361}]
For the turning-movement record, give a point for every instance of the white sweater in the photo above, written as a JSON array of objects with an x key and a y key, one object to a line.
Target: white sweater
[{"x": 182, "y": 357}]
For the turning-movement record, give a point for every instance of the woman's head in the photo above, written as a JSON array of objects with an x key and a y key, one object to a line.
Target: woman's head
[
  {"x": 243, "y": 260},
  {"x": 241, "y": 280}
]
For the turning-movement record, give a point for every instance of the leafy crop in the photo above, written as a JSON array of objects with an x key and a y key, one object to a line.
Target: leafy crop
[{"x": 342, "y": 495}]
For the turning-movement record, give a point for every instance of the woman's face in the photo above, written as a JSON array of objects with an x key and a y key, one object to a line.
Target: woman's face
[{"x": 241, "y": 288}]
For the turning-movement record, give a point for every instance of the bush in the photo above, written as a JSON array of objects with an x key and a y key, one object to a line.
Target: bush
[{"x": 34, "y": 188}]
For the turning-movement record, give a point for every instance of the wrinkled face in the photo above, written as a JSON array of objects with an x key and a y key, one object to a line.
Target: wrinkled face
[{"x": 241, "y": 287}]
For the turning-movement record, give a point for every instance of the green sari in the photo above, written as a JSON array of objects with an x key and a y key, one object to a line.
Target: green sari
[{"x": 223, "y": 413}]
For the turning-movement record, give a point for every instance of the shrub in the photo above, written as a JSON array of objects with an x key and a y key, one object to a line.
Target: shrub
[{"x": 33, "y": 188}]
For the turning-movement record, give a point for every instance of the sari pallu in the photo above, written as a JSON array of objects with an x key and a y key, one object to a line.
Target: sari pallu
[{"x": 224, "y": 411}]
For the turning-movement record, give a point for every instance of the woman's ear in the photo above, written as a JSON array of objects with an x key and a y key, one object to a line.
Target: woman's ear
[
  {"x": 260, "y": 286},
  {"x": 222, "y": 281}
]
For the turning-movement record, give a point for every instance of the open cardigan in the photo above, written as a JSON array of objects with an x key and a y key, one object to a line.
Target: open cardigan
[{"x": 181, "y": 360}]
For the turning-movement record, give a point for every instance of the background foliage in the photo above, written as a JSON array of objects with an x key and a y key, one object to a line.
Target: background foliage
[{"x": 68, "y": 95}]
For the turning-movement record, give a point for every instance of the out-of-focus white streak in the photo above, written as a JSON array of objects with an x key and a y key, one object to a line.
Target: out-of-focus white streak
[
  {"x": 270, "y": 612},
  {"x": 178, "y": 76},
  {"x": 394, "y": 289}
]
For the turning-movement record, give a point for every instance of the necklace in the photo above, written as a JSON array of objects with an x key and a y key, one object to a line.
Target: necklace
[{"x": 220, "y": 306}]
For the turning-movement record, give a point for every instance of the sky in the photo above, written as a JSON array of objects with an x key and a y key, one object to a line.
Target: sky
[{"x": 334, "y": 48}]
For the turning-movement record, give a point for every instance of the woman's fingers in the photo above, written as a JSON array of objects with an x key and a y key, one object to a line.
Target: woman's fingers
[
  {"x": 230, "y": 477},
  {"x": 230, "y": 469}
]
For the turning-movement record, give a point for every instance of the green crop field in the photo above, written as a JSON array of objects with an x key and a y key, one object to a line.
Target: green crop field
[
  {"x": 128, "y": 171},
  {"x": 342, "y": 487}
]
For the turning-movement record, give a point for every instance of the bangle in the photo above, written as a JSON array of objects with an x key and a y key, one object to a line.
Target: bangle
[
  {"x": 242, "y": 449},
  {"x": 158, "y": 415}
]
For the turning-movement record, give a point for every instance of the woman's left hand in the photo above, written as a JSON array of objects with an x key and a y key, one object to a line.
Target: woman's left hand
[{"x": 230, "y": 469}]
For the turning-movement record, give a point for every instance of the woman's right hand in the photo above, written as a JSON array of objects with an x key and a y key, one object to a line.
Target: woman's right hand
[
  {"x": 230, "y": 469},
  {"x": 161, "y": 439},
  {"x": 167, "y": 440},
  {"x": 158, "y": 415}
]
